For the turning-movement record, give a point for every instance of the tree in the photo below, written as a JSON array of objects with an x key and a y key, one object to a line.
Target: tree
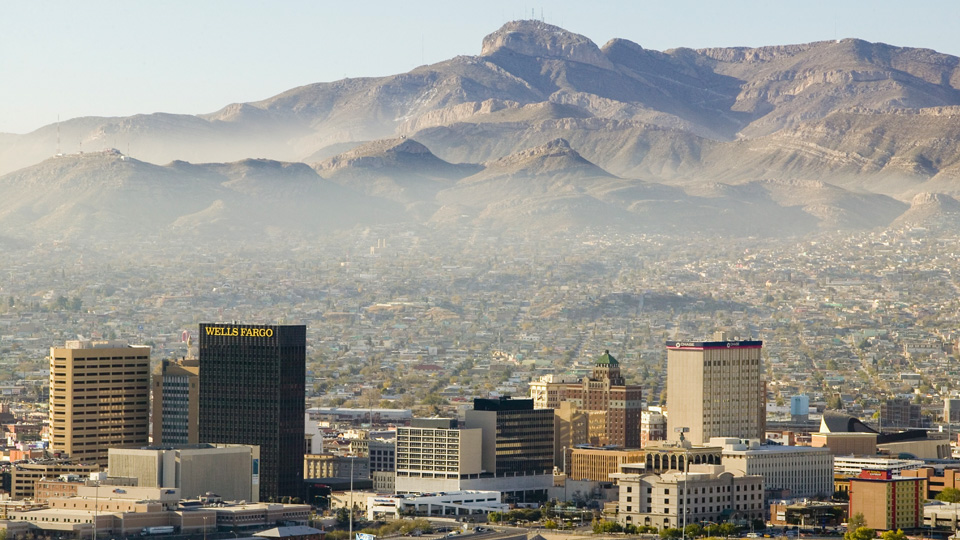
[
  {"x": 949, "y": 494},
  {"x": 835, "y": 402},
  {"x": 712, "y": 529},
  {"x": 856, "y": 521},
  {"x": 604, "y": 526},
  {"x": 693, "y": 530},
  {"x": 670, "y": 532},
  {"x": 728, "y": 529},
  {"x": 860, "y": 533},
  {"x": 891, "y": 535}
]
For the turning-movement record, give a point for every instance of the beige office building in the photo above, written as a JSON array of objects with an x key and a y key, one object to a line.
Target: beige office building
[
  {"x": 229, "y": 470},
  {"x": 99, "y": 398},
  {"x": 24, "y": 476},
  {"x": 714, "y": 389},
  {"x": 797, "y": 471},
  {"x": 571, "y": 429},
  {"x": 176, "y": 402},
  {"x": 436, "y": 459}
]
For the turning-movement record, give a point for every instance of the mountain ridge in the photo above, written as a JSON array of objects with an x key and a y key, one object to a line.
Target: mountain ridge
[{"x": 875, "y": 123}]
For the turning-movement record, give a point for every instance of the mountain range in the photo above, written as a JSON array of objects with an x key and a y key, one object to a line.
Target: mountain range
[{"x": 542, "y": 129}]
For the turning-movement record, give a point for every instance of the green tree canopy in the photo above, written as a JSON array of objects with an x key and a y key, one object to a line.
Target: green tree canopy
[
  {"x": 728, "y": 529},
  {"x": 670, "y": 532},
  {"x": 949, "y": 494},
  {"x": 604, "y": 526},
  {"x": 893, "y": 535},
  {"x": 860, "y": 533}
]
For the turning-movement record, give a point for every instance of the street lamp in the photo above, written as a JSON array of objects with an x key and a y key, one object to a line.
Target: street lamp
[
  {"x": 351, "y": 497},
  {"x": 565, "y": 478},
  {"x": 683, "y": 490},
  {"x": 96, "y": 507}
]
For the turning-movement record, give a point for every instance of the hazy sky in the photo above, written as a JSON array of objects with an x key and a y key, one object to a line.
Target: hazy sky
[{"x": 116, "y": 58}]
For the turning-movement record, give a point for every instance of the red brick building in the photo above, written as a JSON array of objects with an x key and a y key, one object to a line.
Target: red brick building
[{"x": 614, "y": 407}]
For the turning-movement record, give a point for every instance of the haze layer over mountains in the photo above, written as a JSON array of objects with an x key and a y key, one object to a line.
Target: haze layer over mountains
[{"x": 542, "y": 130}]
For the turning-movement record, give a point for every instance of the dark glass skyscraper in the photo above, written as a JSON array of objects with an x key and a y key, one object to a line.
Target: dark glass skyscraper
[{"x": 252, "y": 392}]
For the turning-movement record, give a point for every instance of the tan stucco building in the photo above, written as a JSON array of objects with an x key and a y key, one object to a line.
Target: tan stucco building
[
  {"x": 99, "y": 398},
  {"x": 846, "y": 444},
  {"x": 714, "y": 389}
]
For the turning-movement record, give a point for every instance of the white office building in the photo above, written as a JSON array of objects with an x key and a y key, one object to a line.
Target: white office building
[{"x": 799, "y": 471}]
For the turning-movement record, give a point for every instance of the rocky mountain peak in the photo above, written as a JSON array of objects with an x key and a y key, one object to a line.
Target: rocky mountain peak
[
  {"x": 550, "y": 158},
  {"x": 397, "y": 154},
  {"x": 397, "y": 145},
  {"x": 555, "y": 148},
  {"x": 933, "y": 199},
  {"x": 542, "y": 40}
]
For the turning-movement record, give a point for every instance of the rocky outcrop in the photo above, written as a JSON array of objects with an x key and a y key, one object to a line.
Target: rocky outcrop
[{"x": 541, "y": 40}]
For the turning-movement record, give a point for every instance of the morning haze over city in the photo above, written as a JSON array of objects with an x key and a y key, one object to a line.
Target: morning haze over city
[{"x": 505, "y": 271}]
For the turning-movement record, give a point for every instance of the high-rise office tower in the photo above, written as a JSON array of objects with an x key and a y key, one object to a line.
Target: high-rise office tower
[
  {"x": 252, "y": 392},
  {"x": 176, "y": 401},
  {"x": 99, "y": 398},
  {"x": 516, "y": 446},
  {"x": 714, "y": 389},
  {"x": 517, "y": 439}
]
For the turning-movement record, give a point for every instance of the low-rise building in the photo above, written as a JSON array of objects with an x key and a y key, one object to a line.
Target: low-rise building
[
  {"x": 799, "y": 471},
  {"x": 846, "y": 444},
  {"x": 230, "y": 471},
  {"x": 936, "y": 481},
  {"x": 853, "y": 466},
  {"x": 599, "y": 463},
  {"x": 808, "y": 513},
  {"x": 887, "y": 503},
  {"x": 450, "y": 504},
  {"x": 330, "y": 465},
  {"x": 382, "y": 454},
  {"x": 24, "y": 476},
  {"x": 384, "y": 481},
  {"x": 706, "y": 493}
]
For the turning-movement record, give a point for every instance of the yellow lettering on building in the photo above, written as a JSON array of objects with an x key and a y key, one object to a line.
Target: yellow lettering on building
[{"x": 241, "y": 332}]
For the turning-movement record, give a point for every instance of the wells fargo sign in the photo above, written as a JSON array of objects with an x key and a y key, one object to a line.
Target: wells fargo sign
[{"x": 240, "y": 331}]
